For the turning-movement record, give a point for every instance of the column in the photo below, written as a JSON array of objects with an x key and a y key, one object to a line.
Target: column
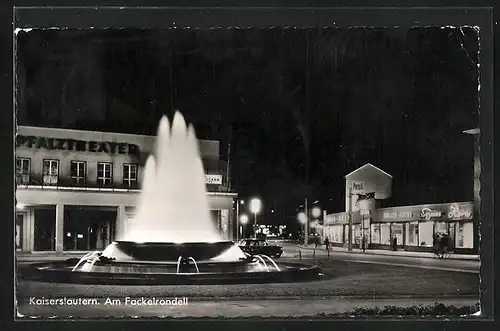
[
  {"x": 31, "y": 230},
  {"x": 120, "y": 221},
  {"x": 59, "y": 228}
]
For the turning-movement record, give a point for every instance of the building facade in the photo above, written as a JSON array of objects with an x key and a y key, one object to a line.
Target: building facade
[
  {"x": 413, "y": 226},
  {"x": 77, "y": 189}
]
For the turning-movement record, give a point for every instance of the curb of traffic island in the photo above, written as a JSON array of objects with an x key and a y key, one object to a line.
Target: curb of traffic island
[{"x": 367, "y": 252}]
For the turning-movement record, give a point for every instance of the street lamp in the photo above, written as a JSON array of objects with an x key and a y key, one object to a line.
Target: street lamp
[
  {"x": 476, "y": 133},
  {"x": 238, "y": 203},
  {"x": 255, "y": 207},
  {"x": 243, "y": 221},
  {"x": 302, "y": 218}
]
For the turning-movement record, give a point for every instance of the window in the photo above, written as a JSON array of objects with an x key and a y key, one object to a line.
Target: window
[
  {"x": 385, "y": 234},
  {"x": 425, "y": 230},
  {"x": 50, "y": 172},
  {"x": 397, "y": 231},
  {"x": 104, "y": 174},
  {"x": 23, "y": 169},
  {"x": 78, "y": 172},
  {"x": 130, "y": 175},
  {"x": 412, "y": 234},
  {"x": 460, "y": 235},
  {"x": 376, "y": 233}
]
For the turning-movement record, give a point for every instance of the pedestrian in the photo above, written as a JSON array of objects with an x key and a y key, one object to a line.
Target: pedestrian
[
  {"x": 363, "y": 243},
  {"x": 435, "y": 244},
  {"x": 395, "y": 243},
  {"x": 327, "y": 244}
]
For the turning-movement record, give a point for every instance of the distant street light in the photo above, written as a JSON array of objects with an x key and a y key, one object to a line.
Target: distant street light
[
  {"x": 302, "y": 217},
  {"x": 255, "y": 207},
  {"x": 316, "y": 212},
  {"x": 244, "y": 219}
]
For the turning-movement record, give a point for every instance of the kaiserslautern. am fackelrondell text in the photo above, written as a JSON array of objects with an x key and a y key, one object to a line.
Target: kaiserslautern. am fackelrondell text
[{"x": 131, "y": 301}]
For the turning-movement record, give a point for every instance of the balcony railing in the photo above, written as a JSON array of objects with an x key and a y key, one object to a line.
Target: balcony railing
[
  {"x": 79, "y": 182},
  {"x": 65, "y": 181},
  {"x": 23, "y": 179}
]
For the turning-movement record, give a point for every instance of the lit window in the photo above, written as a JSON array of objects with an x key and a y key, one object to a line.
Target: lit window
[
  {"x": 23, "y": 169},
  {"x": 104, "y": 174},
  {"x": 50, "y": 172},
  {"x": 78, "y": 172},
  {"x": 130, "y": 175}
]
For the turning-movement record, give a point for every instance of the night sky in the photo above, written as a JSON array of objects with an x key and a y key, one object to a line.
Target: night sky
[{"x": 326, "y": 100}]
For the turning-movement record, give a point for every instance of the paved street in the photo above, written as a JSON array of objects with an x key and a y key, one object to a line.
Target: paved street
[{"x": 470, "y": 265}]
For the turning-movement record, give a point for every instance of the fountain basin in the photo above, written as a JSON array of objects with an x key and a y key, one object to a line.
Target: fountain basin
[{"x": 129, "y": 263}]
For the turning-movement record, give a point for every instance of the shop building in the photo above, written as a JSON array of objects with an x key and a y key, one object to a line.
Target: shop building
[
  {"x": 413, "y": 226},
  {"x": 77, "y": 189}
]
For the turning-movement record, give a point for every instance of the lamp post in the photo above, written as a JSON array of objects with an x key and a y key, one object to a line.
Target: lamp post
[
  {"x": 255, "y": 207},
  {"x": 302, "y": 218},
  {"x": 238, "y": 203},
  {"x": 243, "y": 220},
  {"x": 476, "y": 132},
  {"x": 316, "y": 213}
]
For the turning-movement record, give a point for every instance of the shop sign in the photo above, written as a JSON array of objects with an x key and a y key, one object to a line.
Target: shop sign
[
  {"x": 460, "y": 212},
  {"x": 213, "y": 179},
  {"x": 427, "y": 213},
  {"x": 357, "y": 186},
  {"x": 397, "y": 215},
  {"x": 337, "y": 218},
  {"x": 77, "y": 145}
]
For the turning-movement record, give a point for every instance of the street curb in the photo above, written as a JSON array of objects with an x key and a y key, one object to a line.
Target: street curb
[{"x": 477, "y": 259}]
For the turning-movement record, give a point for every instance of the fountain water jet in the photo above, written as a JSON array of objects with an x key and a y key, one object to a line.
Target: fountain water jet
[{"x": 173, "y": 205}]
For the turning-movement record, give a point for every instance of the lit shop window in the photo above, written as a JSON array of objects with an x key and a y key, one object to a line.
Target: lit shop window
[
  {"x": 376, "y": 233},
  {"x": 50, "y": 172},
  {"x": 130, "y": 175},
  {"x": 460, "y": 235},
  {"x": 385, "y": 234},
  {"x": 78, "y": 172},
  {"x": 105, "y": 174},
  {"x": 412, "y": 234},
  {"x": 23, "y": 169}
]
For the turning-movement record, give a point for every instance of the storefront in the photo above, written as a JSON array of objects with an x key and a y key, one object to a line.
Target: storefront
[
  {"x": 76, "y": 190},
  {"x": 336, "y": 229},
  {"x": 414, "y": 227}
]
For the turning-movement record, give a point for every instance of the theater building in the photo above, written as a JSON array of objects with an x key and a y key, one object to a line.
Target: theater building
[{"x": 77, "y": 189}]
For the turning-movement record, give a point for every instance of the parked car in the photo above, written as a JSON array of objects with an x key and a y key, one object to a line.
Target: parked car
[{"x": 260, "y": 246}]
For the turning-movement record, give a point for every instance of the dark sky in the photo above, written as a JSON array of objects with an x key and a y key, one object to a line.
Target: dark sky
[{"x": 339, "y": 98}]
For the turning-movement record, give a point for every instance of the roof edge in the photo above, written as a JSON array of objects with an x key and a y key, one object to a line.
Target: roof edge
[{"x": 367, "y": 165}]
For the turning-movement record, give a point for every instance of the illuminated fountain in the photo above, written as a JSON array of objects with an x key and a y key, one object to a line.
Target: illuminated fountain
[{"x": 172, "y": 239}]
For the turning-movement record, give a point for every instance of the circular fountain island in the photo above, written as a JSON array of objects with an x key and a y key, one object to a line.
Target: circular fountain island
[{"x": 172, "y": 239}]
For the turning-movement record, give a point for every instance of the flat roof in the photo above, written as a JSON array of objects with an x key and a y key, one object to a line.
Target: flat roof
[{"x": 76, "y": 131}]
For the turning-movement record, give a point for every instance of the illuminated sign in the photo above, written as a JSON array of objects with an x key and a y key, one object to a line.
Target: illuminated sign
[
  {"x": 77, "y": 145},
  {"x": 427, "y": 213},
  {"x": 397, "y": 214},
  {"x": 213, "y": 179},
  {"x": 460, "y": 212}
]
